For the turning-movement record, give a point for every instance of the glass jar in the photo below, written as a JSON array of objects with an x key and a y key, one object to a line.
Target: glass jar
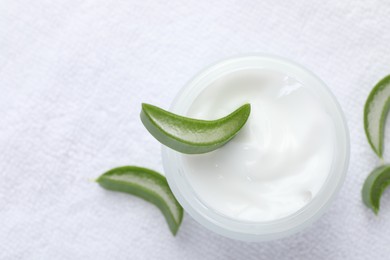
[{"x": 250, "y": 230}]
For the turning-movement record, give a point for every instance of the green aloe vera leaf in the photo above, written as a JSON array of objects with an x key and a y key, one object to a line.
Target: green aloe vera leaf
[
  {"x": 375, "y": 114},
  {"x": 146, "y": 184},
  {"x": 374, "y": 185},
  {"x": 192, "y": 136}
]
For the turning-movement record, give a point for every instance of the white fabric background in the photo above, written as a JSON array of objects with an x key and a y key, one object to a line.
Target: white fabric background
[{"x": 73, "y": 74}]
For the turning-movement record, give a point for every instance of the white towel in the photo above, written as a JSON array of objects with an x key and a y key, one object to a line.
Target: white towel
[{"x": 73, "y": 74}]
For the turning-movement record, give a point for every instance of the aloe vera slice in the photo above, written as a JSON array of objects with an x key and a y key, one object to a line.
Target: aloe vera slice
[
  {"x": 373, "y": 187},
  {"x": 192, "y": 136},
  {"x": 375, "y": 114},
  {"x": 146, "y": 184}
]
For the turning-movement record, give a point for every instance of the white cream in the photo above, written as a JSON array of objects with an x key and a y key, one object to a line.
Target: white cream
[{"x": 281, "y": 158}]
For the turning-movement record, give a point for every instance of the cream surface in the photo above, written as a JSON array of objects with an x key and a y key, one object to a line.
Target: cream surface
[{"x": 280, "y": 159}]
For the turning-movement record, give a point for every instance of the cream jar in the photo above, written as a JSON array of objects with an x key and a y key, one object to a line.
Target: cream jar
[{"x": 282, "y": 169}]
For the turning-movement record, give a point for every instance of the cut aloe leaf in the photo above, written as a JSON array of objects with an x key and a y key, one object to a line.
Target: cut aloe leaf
[
  {"x": 374, "y": 186},
  {"x": 146, "y": 184},
  {"x": 192, "y": 136},
  {"x": 375, "y": 114}
]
